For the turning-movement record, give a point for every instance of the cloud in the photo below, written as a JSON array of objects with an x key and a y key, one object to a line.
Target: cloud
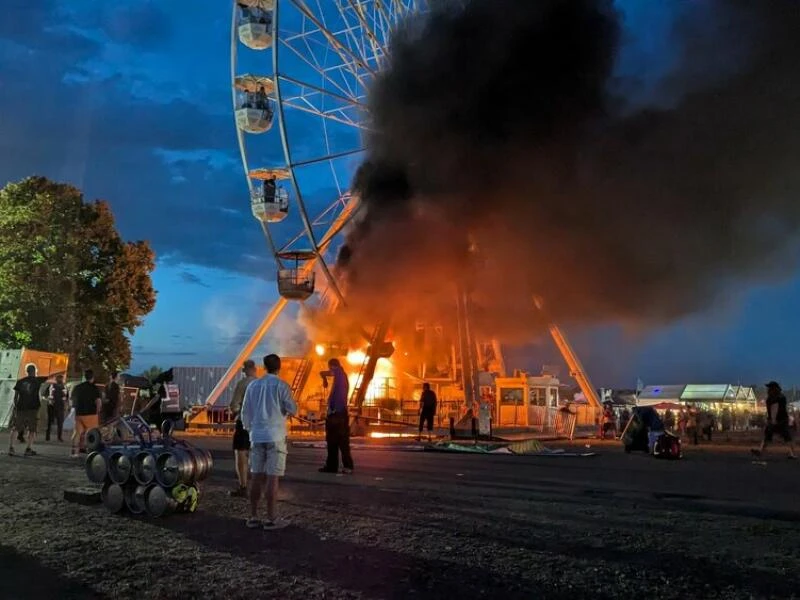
[
  {"x": 97, "y": 103},
  {"x": 192, "y": 279}
]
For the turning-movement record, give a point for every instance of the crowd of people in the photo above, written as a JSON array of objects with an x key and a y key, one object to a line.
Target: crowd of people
[
  {"x": 261, "y": 406},
  {"x": 693, "y": 423},
  {"x": 89, "y": 407}
]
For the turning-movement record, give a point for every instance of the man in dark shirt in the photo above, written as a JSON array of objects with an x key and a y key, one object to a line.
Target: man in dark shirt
[
  {"x": 427, "y": 409},
  {"x": 110, "y": 408},
  {"x": 777, "y": 419},
  {"x": 26, "y": 410},
  {"x": 337, "y": 424},
  {"x": 86, "y": 401},
  {"x": 56, "y": 407}
]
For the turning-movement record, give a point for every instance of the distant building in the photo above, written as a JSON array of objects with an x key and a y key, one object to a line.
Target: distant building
[{"x": 711, "y": 395}]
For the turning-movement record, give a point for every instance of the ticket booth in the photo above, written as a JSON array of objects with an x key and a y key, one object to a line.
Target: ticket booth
[{"x": 526, "y": 401}]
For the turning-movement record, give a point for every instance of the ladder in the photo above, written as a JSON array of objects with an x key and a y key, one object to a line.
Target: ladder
[
  {"x": 328, "y": 303},
  {"x": 301, "y": 377},
  {"x": 367, "y": 370}
]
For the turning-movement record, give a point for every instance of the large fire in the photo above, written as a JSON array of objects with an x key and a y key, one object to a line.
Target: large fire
[{"x": 383, "y": 382}]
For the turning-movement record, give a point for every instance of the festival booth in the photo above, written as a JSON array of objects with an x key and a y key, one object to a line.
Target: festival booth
[{"x": 526, "y": 401}]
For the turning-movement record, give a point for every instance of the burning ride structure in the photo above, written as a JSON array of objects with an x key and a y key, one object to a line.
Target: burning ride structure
[{"x": 325, "y": 63}]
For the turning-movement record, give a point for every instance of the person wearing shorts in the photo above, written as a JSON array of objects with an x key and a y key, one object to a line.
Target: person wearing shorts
[
  {"x": 87, "y": 403},
  {"x": 777, "y": 419},
  {"x": 241, "y": 438},
  {"x": 267, "y": 404},
  {"x": 26, "y": 410}
]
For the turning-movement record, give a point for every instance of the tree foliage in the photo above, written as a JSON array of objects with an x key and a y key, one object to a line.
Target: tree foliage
[
  {"x": 68, "y": 282},
  {"x": 151, "y": 373}
]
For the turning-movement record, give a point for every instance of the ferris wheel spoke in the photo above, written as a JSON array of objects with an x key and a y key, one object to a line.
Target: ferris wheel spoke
[
  {"x": 271, "y": 243},
  {"x": 347, "y": 56},
  {"x": 340, "y": 75},
  {"x": 345, "y": 29},
  {"x": 318, "y": 68},
  {"x": 326, "y": 217},
  {"x": 304, "y": 84},
  {"x": 312, "y": 110},
  {"x": 330, "y": 163},
  {"x": 358, "y": 30},
  {"x": 380, "y": 6},
  {"x": 382, "y": 22},
  {"x": 358, "y": 9},
  {"x": 316, "y": 161}
]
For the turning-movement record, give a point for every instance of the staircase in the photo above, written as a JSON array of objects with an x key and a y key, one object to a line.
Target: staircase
[
  {"x": 367, "y": 370},
  {"x": 327, "y": 303},
  {"x": 301, "y": 377}
]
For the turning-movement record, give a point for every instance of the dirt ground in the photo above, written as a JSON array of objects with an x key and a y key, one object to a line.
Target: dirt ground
[{"x": 422, "y": 525}]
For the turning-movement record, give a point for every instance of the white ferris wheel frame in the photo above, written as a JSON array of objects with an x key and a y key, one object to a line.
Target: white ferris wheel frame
[{"x": 360, "y": 45}]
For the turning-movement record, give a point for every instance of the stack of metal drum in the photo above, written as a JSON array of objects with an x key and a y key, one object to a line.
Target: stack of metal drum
[{"x": 145, "y": 473}]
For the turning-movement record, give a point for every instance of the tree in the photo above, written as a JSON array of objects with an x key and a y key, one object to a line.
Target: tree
[
  {"x": 68, "y": 282},
  {"x": 151, "y": 373}
]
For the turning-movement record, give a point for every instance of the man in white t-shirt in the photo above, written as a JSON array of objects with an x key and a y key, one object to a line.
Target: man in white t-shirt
[{"x": 267, "y": 404}]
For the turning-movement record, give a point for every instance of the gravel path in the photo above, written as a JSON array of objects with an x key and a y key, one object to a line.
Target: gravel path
[{"x": 421, "y": 525}]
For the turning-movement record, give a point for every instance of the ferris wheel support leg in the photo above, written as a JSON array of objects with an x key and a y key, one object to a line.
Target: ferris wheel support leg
[{"x": 247, "y": 350}]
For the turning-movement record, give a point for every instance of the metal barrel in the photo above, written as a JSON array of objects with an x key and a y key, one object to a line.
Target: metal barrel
[
  {"x": 113, "y": 497},
  {"x": 120, "y": 466},
  {"x": 144, "y": 466},
  {"x": 97, "y": 467},
  {"x": 134, "y": 498},
  {"x": 202, "y": 462},
  {"x": 158, "y": 501},
  {"x": 94, "y": 440},
  {"x": 175, "y": 466}
]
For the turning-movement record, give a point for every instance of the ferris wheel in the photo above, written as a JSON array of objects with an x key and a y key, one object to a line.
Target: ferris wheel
[{"x": 300, "y": 72}]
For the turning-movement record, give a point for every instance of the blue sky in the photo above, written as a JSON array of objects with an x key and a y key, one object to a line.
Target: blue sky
[{"x": 130, "y": 101}]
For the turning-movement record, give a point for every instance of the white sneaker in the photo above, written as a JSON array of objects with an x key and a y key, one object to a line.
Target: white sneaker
[{"x": 278, "y": 523}]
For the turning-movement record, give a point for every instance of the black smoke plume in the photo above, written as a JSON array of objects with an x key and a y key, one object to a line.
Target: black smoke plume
[{"x": 504, "y": 161}]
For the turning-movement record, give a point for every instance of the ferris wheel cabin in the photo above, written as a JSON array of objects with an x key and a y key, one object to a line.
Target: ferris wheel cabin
[
  {"x": 269, "y": 201},
  {"x": 255, "y": 111},
  {"x": 296, "y": 282},
  {"x": 255, "y": 23}
]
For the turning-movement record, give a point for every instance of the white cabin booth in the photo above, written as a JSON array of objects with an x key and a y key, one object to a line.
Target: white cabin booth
[
  {"x": 254, "y": 101},
  {"x": 255, "y": 23},
  {"x": 526, "y": 401},
  {"x": 269, "y": 200}
]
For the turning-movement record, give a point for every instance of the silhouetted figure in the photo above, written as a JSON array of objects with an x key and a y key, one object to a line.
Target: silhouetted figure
[
  {"x": 337, "y": 424},
  {"x": 427, "y": 409},
  {"x": 777, "y": 419}
]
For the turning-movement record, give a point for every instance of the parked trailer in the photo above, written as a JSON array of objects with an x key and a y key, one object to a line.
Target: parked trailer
[{"x": 13, "y": 365}]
